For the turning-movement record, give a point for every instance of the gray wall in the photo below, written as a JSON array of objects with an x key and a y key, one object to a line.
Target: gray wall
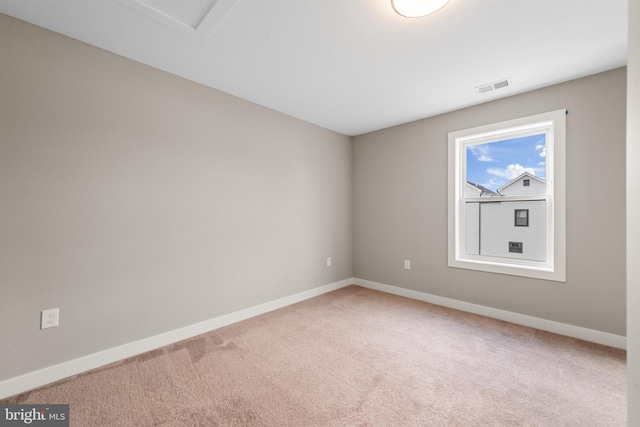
[
  {"x": 138, "y": 202},
  {"x": 400, "y": 207},
  {"x": 633, "y": 214}
]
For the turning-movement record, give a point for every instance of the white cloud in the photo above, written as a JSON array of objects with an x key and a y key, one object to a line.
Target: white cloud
[
  {"x": 481, "y": 152},
  {"x": 541, "y": 163},
  {"x": 512, "y": 171},
  {"x": 542, "y": 153}
]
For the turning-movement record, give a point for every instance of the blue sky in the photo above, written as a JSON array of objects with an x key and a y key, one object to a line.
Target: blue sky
[{"x": 495, "y": 163}]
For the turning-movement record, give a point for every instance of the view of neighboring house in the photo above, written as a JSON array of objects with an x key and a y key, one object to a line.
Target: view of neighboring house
[
  {"x": 525, "y": 184},
  {"x": 477, "y": 190},
  {"x": 508, "y": 229}
]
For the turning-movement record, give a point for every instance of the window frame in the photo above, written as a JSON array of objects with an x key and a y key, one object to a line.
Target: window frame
[
  {"x": 553, "y": 124},
  {"x": 516, "y": 218}
]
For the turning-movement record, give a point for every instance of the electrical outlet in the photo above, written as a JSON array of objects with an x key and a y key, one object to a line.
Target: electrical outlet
[
  {"x": 407, "y": 264},
  {"x": 328, "y": 261},
  {"x": 49, "y": 318}
]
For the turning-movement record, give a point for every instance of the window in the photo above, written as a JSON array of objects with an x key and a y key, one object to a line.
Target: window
[
  {"x": 507, "y": 197},
  {"x": 515, "y": 247},
  {"x": 522, "y": 217}
]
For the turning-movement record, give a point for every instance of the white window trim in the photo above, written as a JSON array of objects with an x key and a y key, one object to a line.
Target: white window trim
[{"x": 555, "y": 268}]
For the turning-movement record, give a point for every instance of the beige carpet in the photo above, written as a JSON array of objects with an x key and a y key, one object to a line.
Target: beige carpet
[{"x": 355, "y": 357}]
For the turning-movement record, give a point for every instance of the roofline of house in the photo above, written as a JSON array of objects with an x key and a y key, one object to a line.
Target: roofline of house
[
  {"x": 518, "y": 177},
  {"x": 481, "y": 188}
]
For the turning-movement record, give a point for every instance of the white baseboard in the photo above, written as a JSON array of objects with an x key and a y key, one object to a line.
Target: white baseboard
[
  {"x": 22, "y": 383},
  {"x": 591, "y": 335}
]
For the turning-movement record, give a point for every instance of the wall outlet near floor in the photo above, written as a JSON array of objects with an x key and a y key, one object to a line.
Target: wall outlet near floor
[
  {"x": 49, "y": 318},
  {"x": 328, "y": 261},
  {"x": 407, "y": 264}
]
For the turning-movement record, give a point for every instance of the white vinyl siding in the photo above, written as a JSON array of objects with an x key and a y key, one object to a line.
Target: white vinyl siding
[
  {"x": 473, "y": 191},
  {"x": 498, "y": 229},
  {"x": 473, "y": 228}
]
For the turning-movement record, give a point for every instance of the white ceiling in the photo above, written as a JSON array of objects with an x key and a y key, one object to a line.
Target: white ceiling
[{"x": 352, "y": 66}]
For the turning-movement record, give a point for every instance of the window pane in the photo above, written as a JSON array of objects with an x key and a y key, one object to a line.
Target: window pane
[
  {"x": 511, "y": 167},
  {"x": 522, "y": 217}
]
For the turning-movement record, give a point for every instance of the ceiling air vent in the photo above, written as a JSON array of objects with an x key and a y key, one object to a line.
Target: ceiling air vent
[{"x": 493, "y": 86}]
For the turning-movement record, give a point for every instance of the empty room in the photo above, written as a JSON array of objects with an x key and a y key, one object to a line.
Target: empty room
[{"x": 319, "y": 213}]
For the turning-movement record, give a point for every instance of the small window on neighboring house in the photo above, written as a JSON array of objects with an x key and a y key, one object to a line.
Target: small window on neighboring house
[
  {"x": 525, "y": 183},
  {"x": 522, "y": 217}
]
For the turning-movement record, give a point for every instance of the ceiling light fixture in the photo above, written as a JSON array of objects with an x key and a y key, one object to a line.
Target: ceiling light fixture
[{"x": 417, "y": 8}]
